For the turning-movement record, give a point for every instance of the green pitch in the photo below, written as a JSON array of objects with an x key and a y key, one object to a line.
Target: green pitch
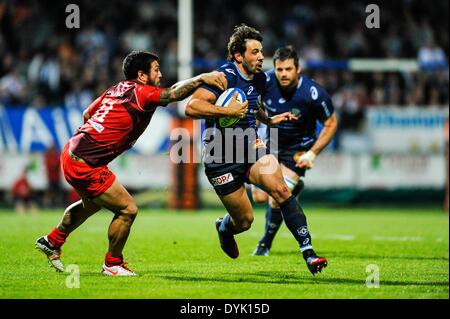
[{"x": 177, "y": 255}]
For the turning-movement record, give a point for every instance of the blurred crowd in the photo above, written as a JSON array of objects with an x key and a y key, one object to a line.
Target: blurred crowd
[{"x": 44, "y": 63}]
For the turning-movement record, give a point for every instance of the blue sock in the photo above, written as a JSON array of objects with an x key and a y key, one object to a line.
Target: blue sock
[
  {"x": 295, "y": 220},
  {"x": 226, "y": 228},
  {"x": 273, "y": 223}
]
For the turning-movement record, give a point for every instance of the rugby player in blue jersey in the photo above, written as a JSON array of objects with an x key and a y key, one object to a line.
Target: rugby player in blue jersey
[
  {"x": 234, "y": 155},
  {"x": 298, "y": 145}
]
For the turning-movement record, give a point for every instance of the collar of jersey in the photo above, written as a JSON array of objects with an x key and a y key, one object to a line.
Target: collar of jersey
[{"x": 242, "y": 74}]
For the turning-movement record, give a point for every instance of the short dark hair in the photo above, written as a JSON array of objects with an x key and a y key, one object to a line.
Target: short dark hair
[
  {"x": 137, "y": 61},
  {"x": 241, "y": 34},
  {"x": 285, "y": 53}
]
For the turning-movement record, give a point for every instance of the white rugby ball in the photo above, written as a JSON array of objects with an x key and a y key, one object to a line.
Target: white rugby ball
[{"x": 224, "y": 99}]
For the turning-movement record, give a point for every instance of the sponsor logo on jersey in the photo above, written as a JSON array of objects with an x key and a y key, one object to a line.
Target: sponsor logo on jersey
[
  {"x": 314, "y": 93},
  {"x": 271, "y": 109},
  {"x": 250, "y": 90},
  {"x": 97, "y": 126},
  {"x": 325, "y": 108},
  {"x": 222, "y": 180},
  {"x": 296, "y": 112},
  {"x": 281, "y": 100},
  {"x": 230, "y": 71}
]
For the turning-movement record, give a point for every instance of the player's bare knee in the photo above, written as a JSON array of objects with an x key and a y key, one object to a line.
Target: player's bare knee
[
  {"x": 281, "y": 192},
  {"x": 130, "y": 212}
]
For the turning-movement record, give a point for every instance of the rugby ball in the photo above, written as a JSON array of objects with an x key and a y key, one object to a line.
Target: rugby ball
[{"x": 224, "y": 99}]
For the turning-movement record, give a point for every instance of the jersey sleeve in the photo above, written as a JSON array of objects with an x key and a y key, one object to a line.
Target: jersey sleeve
[
  {"x": 321, "y": 102},
  {"x": 92, "y": 108},
  {"x": 148, "y": 97},
  {"x": 230, "y": 75}
]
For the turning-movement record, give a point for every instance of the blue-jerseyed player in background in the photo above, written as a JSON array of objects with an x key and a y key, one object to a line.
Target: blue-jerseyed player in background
[
  {"x": 298, "y": 145},
  {"x": 254, "y": 164}
]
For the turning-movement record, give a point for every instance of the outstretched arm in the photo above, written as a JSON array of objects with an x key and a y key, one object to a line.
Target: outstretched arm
[
  {"x": 276, "y": 119},
  {"x": 181, "y": 90}
]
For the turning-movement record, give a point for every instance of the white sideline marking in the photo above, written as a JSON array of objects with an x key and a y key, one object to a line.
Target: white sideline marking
[
  {"x": 336, "y": 236},
  {"x": 398, "y": 238}
]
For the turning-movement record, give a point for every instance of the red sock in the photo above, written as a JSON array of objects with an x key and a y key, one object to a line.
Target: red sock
[
  {"x": 113, "y": 261},
  {"x": 57, "y": 238}
]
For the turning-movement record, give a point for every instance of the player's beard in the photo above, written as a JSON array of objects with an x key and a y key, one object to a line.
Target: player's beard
[
  {"x": 290, "y": 85},
  {"x": 156, "y": 83},
  {"x": 251, "y": 69}
]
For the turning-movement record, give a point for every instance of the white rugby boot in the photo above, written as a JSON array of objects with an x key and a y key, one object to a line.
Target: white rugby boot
[
  {"x": 118, "y": 270},
  {"x": 53, "y": 255}
]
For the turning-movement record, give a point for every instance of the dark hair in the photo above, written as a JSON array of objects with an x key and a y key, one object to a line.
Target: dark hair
[
  {"x": 285, "y": 53},
  {"x": 137, "y": 61},
  {"x": 241, "y": 34}
]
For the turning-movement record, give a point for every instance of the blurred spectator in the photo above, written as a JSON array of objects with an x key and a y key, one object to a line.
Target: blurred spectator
[
  {"x": 314, "y": 50},
  {"x": 13, "y": 88},
  {"x": 23, "y": 195},
  {"x": 42, "y": 63},
  {"x": 53, "y": 194},
  {"x": 44, "y": 73},
  {"x": 430, "y": 55},
  {"x": 393, "y": 43}
]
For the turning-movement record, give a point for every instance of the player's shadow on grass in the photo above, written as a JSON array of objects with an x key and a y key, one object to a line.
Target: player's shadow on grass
[
  {"x": 378, "y": 256},
  {"x": 280, "y": 277},
  {"x": 330, "y": 255}
]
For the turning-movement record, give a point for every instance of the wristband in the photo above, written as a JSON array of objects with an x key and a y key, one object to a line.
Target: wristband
[{"x": 310, "y": 156}]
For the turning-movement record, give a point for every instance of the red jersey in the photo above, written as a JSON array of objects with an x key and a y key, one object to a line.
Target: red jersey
[
  {"x": 117, "y": 118},
  {"x": 21, "y": 188}
]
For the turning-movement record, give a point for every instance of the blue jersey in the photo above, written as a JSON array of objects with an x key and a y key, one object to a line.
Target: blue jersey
[
  {"x": 253, "y": 88},
  {"x": 309, "y": 102}
]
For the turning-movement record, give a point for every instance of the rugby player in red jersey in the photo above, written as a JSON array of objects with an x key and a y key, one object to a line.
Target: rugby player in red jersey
[{"x": 112, "y": 124}]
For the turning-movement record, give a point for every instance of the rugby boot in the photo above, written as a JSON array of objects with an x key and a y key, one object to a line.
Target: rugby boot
[
  {"x": 261, "y": 250},
  {"x": 53, "y": 255},
  {"x": 315, "y": 263},
  {"x": 117, "y": 270},
  {"x": 227, "y": 243}
]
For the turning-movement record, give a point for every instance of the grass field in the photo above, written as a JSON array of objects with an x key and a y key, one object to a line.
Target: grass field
[{"x": 177, "y": 255}]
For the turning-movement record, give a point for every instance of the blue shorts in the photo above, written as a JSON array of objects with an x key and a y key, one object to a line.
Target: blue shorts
[
  {"x": 287, "y": 159},
  {"x": 227, "y": 178}
]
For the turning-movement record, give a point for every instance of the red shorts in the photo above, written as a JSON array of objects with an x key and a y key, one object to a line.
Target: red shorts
[{"x": 87, "y": 180}]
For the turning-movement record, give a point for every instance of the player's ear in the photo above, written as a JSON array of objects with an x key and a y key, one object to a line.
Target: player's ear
[
  {"x": 141, "y": 75},
  {"x": 299, "y": 69},
  {"x": 238, "y": 57}
]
